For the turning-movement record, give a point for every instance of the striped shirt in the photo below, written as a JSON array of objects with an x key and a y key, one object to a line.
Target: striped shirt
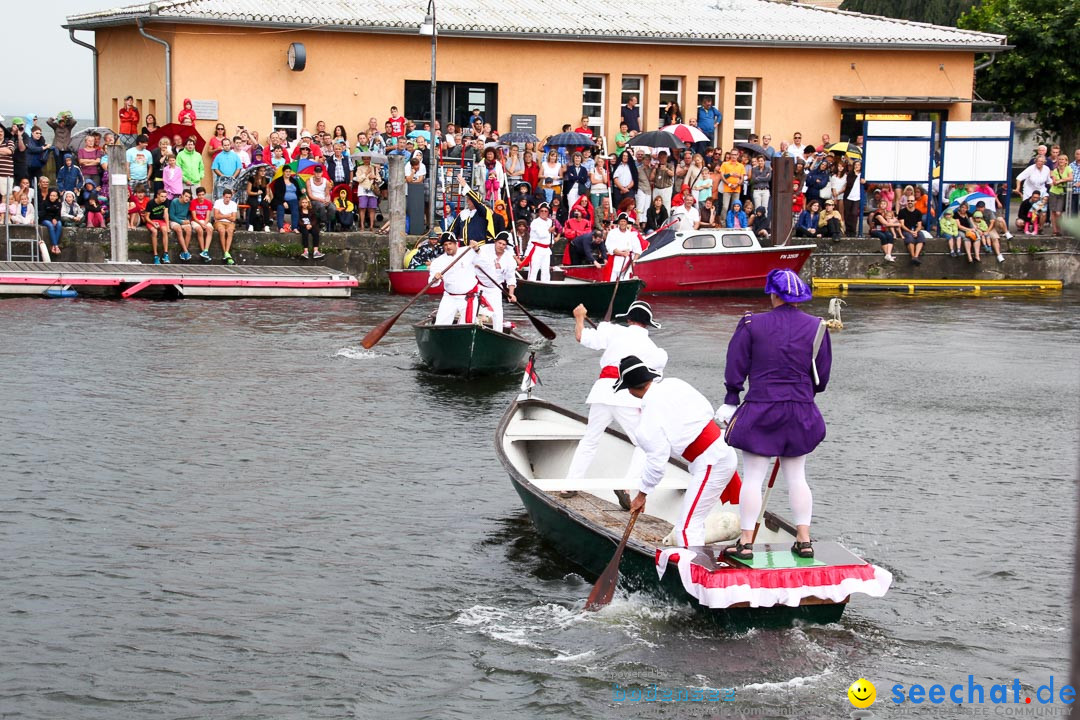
[{"x": 7, "y": 162}]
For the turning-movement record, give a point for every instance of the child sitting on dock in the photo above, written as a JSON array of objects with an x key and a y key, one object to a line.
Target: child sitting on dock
[
  {"x": 950, "y": 230},
  {"x": 892, "y": 225}
]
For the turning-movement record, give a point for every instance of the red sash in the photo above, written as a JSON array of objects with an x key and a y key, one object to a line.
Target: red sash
[
  {"x": 470, "y": 302},
  {"x": 610, "y": 372},
  {"x": 708, "y": 436},
  {"x": 527, "y": 260}
]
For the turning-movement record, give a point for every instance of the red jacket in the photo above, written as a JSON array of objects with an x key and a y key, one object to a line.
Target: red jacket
[{"x": 129, "y": 121}]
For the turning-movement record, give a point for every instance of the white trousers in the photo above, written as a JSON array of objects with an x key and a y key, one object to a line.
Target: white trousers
[
  {"x": 665, "y": 195},
  {"x": 540, "y": 265},
  {"x": 494, "y": 297},
  {"x": 600, "y": 416},
  {"x": 641, "y": 202},
  {"x": 449, "y": 306},
  {"x": 755, "y": 468},
  {"x": 710, "y": 474}
]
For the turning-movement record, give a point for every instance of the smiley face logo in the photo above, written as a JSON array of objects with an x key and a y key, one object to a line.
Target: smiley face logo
[{"x": 862, "y": 693}]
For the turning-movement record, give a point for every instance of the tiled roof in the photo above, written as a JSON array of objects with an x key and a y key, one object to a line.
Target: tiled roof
[{"x": 707, "y": 22}]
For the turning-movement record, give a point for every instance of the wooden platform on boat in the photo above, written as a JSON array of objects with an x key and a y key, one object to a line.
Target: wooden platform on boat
[
  {"x": 194, "y": 279},
  {"x": 648, "y": 530},
  {"x": 911, "y": 286}
]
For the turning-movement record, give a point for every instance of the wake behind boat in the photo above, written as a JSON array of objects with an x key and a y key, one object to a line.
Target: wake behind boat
[
  {"x": 535, "y": 442},
  {"x": 563, "y": 294},
  {"x": 706, "y": 261}
]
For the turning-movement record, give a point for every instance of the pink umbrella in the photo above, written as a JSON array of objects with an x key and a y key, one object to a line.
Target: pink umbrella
[{"x": 686, "y": 133}]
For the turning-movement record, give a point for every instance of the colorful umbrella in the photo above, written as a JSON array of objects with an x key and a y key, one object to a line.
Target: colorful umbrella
[
  {"x": 303, "y": 168},
  {"x": 845, "y": 148},
  {"x": 420, "y": 133},
  {"x": 184, "y": 131},
  {"x": 972, "y": 199},
  {"x": 686, "y": 133}
]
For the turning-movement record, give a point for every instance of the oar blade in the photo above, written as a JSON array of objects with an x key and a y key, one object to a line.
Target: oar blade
[
  {"x": 604, "y": 590},
  {"x": 376, "y": 334}
]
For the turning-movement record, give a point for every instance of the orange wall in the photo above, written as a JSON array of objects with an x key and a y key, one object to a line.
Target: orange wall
[
  {"x": 351, "y": 77},
  {"x": 129, "y": 64}
]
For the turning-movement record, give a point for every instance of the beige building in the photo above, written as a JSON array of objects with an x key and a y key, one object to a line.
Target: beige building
[{"x": 771, "y": 67}]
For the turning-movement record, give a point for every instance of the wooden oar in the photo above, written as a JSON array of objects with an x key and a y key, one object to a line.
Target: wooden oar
[
  {"x": 382, "y": 328},
  {"x": 604, "y": 589},
  {"x": 540, "y": 325},
  {"x": 626, "y": 268},
  {"x": 768, "y": 491}
]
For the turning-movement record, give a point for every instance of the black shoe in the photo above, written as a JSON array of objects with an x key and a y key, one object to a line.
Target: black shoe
[{"x": 624, "y": 499}]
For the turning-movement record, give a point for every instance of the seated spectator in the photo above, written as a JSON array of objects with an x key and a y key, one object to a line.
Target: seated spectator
[
  {"x": 761, "y": 225},
  {"x": 180, "y": 222},
  {"x": 20, "y": 211},
  {"x": 285, "y": 194},
  {"x": 880, "y": 229},
  {"x": 257, "y": 189},
  {"x": 686, "y": 213},
  {"x": 225, "y": 214},
  {"x": 92, "y": 205},
  {"x": 344, "y": 211},
  {"x": 831, "y": 222},
  {"x": 807, "y": 225},
  {"x": 139, "y": 160},
  {"x": 1031, "y": 214},
  {"x": 657, "y": 215},
  {"x": 50, "y": 217},
  {"x": 427, "y": 252},
  {"x": 71, "y": 212},
  {"x": 736, "y": 218},
  {"x": 172, "y": 178},
  {"x": 968, "y": 233},
  {"x": 950, "y": 231},
  {"x": 156, "y": 218},
  {"x": 136, "y": 206},
  {"x": 202, "y": 217},
  {"x": 988, "y": 238},
  {"x": 995, "y": 223},
  {"x": 578, "y": 232}
]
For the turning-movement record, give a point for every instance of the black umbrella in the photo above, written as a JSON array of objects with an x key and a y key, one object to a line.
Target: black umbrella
[
  {"x": 571, "y": 139},
  {"x": 517, "y": 137},
  {"x": 751, "y": 147},
  {"x": 657, "y": 139}
]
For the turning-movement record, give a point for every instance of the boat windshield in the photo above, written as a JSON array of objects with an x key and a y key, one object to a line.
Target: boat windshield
[{"x": 659, "y": 240}]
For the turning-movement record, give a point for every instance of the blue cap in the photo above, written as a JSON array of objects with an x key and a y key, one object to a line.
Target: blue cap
[{"x": 787, "y": 285}]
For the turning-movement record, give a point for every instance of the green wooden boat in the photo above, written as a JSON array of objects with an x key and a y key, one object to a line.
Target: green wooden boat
[
  {"x": 535, "y": 442},
  {"x": 564, "y": 295},
  {"x": 469, "y": 349}
]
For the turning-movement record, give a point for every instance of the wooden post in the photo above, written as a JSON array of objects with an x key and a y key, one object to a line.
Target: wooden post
[
  {"x": 783, "y": 169},
  {"x": 118, "y": 203},
  {"x": 396, "y": 194}
]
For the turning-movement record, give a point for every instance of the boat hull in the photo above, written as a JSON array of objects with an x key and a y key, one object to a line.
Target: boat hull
[
  {"x": 697, "y": 273},
  {"x": 411, "y": 282},
  {"x": 562, "y": 296},
  {"x": 469, "y": 349}
]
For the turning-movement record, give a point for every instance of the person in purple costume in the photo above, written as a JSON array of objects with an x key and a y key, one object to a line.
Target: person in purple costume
[{"x": 786, "y": 354}]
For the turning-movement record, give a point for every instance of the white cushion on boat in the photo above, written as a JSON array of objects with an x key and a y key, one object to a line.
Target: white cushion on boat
[{"x": 720, "y": 526}]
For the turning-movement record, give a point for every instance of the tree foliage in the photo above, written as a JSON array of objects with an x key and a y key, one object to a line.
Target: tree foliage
[
  {"x": 936, "y": 12},
  {"x": 1041, "y": 75}
]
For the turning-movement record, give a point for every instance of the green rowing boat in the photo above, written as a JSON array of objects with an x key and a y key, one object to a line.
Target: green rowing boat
[
  {"x": 564, "y": 295},
  {"x": 469, "y": 349}
]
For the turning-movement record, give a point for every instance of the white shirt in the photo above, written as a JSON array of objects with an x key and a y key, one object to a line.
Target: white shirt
[
  {"x": 459, "y": 279},
  {"x": 540, "y": 232},
  {"x": 621, "y": 240},
  {"x": 502, "y": 269},
  {"x": 616, "y": 342},
  {"x": 1034, "y": 179},
  {"x": 688, "y": 217},
  {"x": 226, "y": 208},
  {"x": 320, "y": 192},
  {"x": 673, "y": 414}
]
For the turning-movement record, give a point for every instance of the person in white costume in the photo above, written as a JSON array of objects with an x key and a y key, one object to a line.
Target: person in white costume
[
  {"x": 678, "y": 420},
  {"x": 538, "y": 254},
  {"x": 496, "y": 268},
  {"x": 615, "y": 342},
  {"x": 622, "y": 245},
  {"x": 459, "y": 282}
]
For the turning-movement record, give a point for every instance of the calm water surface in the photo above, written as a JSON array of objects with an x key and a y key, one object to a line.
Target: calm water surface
[{"x": 231, "y": 510}]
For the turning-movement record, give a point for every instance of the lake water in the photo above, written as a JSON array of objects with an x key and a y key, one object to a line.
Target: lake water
[{"x": 231, "y": 510}]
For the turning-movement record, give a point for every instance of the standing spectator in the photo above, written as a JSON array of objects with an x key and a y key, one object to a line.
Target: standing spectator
[
  {"x": 90, "y": 159},
  {"x": 139, "y": 160},
  {"x": 62, "y": 125},
  {"x": 150, "y": 124},
  {"x": 285, "y": 194},
  {"x": 68, "y": 176},
  {"x": 575, "y": 182},
  {"x": 157, "y": 167},
  {"x": 598, "y": 184},
  {"x": 186, "y": 116},
  {"x": 202, "y": 222},
  {"x": 191, "y": 165},
  {"x": 1034, "y": 177},
  {"x": 36, "y": 154},
  {"x": 760, "y": 182},
  {"x": 258, "y": 206},
  {"x": 396, "y": 123},
  {"x": 49, "y": 212},
  {"x": 180, "y": 222},
  {"x": 699, "y": 179},
  {"x": 531, "y": 173},
  {"x": 339, "y": 166},
  {"x": 217, "y": 143},
  {"x": 225, "y": 213},
  {"x": 624, "y": 180},
  {"x": 643, "y": 193},
  {"x": 672, "y": 113},
  {"x": 129, "y": 122},
  {"x": 551, "y": 171},
  {"x": 622, "y": 138},
  {"x": 663, "y": 178},
  {"x": 631, "y": 115},
  {"x": 853, "y": 198},
  {"x": 1061, "y": 180},
  {"x": 309, "y": 228},
  {"x": 226, "y": 167},
  {"x": 367, "y": 199},
  {"x": 321, "y": 202},
  {"x": 515, "y": 166},
  {"x": 492, "y": 177},
  {"x": 1074, "y": 168},
  {"x": 731, "y": 180},
  {"x": 7, "y": 163},
  {"x": 172, "y": 178},
  {"x": 708, "y": 118},
  {"x": 21, "y": 139}
]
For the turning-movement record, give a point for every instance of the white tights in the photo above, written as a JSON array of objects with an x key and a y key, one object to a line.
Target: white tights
[{"x": 754, "y": 469}]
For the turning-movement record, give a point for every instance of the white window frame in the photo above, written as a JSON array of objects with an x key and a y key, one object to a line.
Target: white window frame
[
  {"x": 625, "y": 94},
  {"x": 665, "y": 97},
  {"x": 298, "y": 109},
  {"x": 595, "y": 121},
  {"x": 745, "y": 127}
]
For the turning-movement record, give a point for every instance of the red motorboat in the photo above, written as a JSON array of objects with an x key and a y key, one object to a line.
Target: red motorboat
[
  {"x": 705, "y": 261},
  {"x": 410, "y": 282}
]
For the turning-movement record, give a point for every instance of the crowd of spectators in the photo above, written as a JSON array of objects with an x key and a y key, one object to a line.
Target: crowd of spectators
[{"x": 328, "y": 179}]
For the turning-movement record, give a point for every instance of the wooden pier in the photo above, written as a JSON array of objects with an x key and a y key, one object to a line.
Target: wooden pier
[{"x": 175, "y": 280}]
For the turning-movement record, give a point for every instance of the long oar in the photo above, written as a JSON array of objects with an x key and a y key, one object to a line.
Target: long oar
[
  {"x": 628, "y": 267},
  {"x": 382, "y": 328},
  {"x": 768, "y": 491},
  {"x": 604, "y": 589},
  {"x": 540, "y": 325}
]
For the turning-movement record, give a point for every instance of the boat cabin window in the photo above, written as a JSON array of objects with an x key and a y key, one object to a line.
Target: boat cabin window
[
  {"x": 737, "y": 240},
  {"x": 699, "y": 242}
]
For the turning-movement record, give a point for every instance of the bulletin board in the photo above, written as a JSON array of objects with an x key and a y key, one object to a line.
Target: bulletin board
[
  {"x": 896, "y": 151},
  {"x": 977, "y": 152}
]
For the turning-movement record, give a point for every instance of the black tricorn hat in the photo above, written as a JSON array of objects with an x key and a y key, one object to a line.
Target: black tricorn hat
[
  {"x": 634, "y": 373},
  {"x": 640, "y": 312}
]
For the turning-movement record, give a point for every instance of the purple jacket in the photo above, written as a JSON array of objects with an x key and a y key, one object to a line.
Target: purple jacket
[{"x": 774, "y": 350}]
